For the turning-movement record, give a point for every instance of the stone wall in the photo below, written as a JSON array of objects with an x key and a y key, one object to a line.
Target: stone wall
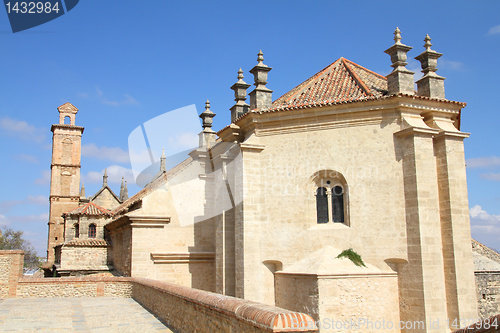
[
  {"x": 84, "y": 257},
  {"x": 121, "y": 250},
  {"x": 75, "y": 287},
  {"x": 488, "y": 293},
  {"x": 488, "y": 325},
  {"x": 11, "y": 269},
  {"x": 340, "y": 300}
]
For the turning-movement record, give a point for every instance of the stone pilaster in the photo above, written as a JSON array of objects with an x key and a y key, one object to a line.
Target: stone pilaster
[
  {"x": 455, "y": 226},
  {"x": 261, "y": 96},
  {"x": 422, "y": 279},
  {"x": 400, "y": 80},
  {"x": 431, "y": 84}
]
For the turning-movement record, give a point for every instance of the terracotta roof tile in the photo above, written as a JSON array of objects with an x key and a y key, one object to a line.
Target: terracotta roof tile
[
  {"x": 87, "y": 242},
  {"x": 90, "y": 209},
  {"x": 341, "y": 81}
]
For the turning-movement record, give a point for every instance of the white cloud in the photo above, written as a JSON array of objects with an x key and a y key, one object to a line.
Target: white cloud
[
  {"x": 485, "y": 227},
  {"x": 494, "y": 30},
  {"x": 491, "y": 176},
  {"x": 187, "y": 140},
  {"x": 27, "y": 158},
  {"x": 44, "y": 179},
  {"x": 4, "y": 220},
  {"x": 44, "y": 217},
  {"x": 38, "y": 200},
  {"x": 20, "y": 129},
  {"x": 113, "y": 154},
  {"x": 483, "y": 162},
  {"x": 5, "y": 206},
  {"x": 115, "y": 174},
  {"x": 126, "y": 100},
  {"x": 450, "y": 64}
]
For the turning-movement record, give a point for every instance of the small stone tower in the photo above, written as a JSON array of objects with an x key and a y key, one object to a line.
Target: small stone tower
[
  {"x": 400, "y": 80},
  {"x": 65, "y": 173},
  {"x": 261, "y": 97}
]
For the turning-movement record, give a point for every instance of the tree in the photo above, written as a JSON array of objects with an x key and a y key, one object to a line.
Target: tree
[{"x": 13, "y": 240}]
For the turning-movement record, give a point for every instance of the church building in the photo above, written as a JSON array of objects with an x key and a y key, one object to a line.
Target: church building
[{"x": 345, "y": 199}]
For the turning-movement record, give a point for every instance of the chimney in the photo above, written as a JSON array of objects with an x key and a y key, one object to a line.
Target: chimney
[
  {"x": 240, "y": 96},
  {"x": 400, "y": 80},
  {"x": 431, "y": 84},
  {"x": 261, "y": 96}
]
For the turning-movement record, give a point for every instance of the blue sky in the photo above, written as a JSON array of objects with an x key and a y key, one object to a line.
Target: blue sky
[{"x": 124, "y": 62}]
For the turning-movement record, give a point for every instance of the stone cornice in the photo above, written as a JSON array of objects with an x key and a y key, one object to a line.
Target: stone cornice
[
  {"x": 68, "y": 128},
  {"x": 181, "y": 258},
  {"x": 271, "y": 122}
]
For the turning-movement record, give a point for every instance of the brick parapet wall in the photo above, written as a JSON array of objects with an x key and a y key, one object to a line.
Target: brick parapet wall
[
  {"x": 11, "y": 269},
  {"x": 187, "y": 310},
  {"x": 184, "y": 309}
]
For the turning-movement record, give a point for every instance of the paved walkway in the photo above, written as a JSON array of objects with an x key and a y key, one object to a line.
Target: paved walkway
[{"x": 102, "y": 314}]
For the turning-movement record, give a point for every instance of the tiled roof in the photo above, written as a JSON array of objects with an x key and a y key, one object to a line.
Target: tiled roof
[
  {"x": 87, "y": 242},
  {"x": 89, "y": 209},
  {"x": 339, "y": 82}
]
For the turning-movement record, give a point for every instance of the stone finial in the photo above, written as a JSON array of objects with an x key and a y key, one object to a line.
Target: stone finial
[
  {"x": 105, "y": 178},
  {"x": 82, "y": 191},
  {"x": 400, "y": 80},
  {"x": 122, "y": 188},
  {"x": 261, "y": 96},
  {"x": 123, "y": 191},
  {"x": 260, "y": 58},
  {"x": 240, "y": 96},
  {"x": 163, "y": 165},
  {"x": 431, "y": 84},
  {"x": 207, "y": 118},
  {"x": 397, "y": 36}
]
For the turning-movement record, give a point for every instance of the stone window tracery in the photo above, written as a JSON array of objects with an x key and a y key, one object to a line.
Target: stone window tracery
[{"x": 331, "y": 197}]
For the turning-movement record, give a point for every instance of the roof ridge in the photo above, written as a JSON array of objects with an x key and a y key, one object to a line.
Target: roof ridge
[
  {"x": 309, "y": 79},
  {"x": 357, "y": 78},
  {"x": 365, "y": 69}
]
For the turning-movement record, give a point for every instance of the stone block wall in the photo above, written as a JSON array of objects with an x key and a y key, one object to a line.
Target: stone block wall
[
  {"x": 11, "y": 269},
  {"x": 488, "y": 293},
  {"x": 75, "y": 287},
  {"x": 76, "y": 257}
]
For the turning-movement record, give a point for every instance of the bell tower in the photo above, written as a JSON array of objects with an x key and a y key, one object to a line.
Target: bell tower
[{"x": 65, "y": 174}]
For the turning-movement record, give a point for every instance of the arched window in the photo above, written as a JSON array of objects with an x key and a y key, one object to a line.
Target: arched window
[
  {"x": 92, "y": 230},
  {"x": 338, "y": 204},
  {"x": 331, "y": 194},
  {"x": 77, "y": 230},
  {"x": 322, "y": 205},
  {"x": 67, "y": 120}
]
